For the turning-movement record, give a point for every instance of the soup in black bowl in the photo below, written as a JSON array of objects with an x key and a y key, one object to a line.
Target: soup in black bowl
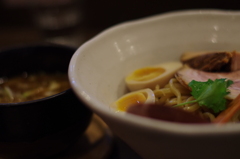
[{"x": 41, "y": 115}]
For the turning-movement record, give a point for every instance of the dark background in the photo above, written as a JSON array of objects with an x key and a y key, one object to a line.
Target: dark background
[
  {"x": 109, "y": 12},
  {"x": 104, "y": 13},
  {"x": 17, "y": 27}
]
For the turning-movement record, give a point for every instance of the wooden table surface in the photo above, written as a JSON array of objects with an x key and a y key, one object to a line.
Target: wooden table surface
[{"x": 98, "y": 142}]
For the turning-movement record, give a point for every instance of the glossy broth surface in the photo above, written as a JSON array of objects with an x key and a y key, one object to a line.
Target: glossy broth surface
[{"x": 27, "y": 87}]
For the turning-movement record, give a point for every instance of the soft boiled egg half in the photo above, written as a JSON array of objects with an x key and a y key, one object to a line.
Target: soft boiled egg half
[
  {"x": 149, "y": 77},
  {"x": 144, "y": 96}
]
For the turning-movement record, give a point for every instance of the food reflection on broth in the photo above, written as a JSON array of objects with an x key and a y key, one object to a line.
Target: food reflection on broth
[{"x": 27, "y": 87}]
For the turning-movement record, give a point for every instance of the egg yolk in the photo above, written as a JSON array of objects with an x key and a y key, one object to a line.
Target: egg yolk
[
  {"x": 145, "y": 74},
  {"x": 131, "y": 99}
]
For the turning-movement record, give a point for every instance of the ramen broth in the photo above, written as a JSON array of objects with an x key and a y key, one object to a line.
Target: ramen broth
[{"x": 27, "y": 87}]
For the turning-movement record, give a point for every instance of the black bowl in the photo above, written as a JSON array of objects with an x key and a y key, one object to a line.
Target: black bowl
[{"x": 44, "y": 127}]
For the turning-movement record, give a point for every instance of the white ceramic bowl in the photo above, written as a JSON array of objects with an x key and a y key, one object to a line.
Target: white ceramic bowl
[{"x": 98, "y": 68}]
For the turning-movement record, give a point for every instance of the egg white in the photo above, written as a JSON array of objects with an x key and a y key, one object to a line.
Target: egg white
[
  {"x": 148, "y": 93},
  {"x": 170, "y": 69}
]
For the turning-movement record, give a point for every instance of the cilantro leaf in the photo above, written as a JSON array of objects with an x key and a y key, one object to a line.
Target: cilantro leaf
[{"x": 210, "y": 93}]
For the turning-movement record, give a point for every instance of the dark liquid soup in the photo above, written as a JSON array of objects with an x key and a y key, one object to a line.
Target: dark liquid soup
[{"x": 27, "y": 87}]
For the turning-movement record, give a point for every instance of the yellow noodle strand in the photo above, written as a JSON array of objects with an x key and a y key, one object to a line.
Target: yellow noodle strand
[
  {"x": 175, "y": 91},
  {"x": 209, "y": 116}
]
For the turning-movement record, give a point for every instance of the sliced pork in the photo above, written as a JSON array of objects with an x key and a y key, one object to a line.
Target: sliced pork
[
  {"x": 166, "y": 113},
  {"x": 212, "y": 61},
  {"x": 186, "y": 74}
]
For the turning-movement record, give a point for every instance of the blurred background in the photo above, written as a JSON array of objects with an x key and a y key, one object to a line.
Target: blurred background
[{"x": 72, "y": 22}]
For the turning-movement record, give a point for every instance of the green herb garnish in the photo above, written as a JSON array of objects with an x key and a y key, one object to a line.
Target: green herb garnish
[{"x": 210, "y": 94}]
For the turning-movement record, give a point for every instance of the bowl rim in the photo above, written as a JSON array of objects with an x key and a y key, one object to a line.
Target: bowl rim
[
  {"x": 147, "y": 123},
  {"x": 33, "y": 45}
]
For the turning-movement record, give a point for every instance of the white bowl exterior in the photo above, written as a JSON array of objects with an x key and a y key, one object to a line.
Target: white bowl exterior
[{"x": 98, "y": 68}]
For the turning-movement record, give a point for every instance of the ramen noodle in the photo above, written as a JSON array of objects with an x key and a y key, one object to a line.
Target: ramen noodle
[{"x": 175, "y": 93}]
